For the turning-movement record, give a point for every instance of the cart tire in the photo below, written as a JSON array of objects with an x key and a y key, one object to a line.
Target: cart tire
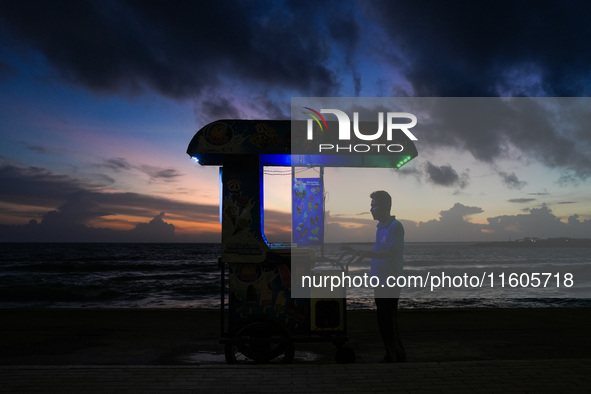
[
  {"x": 344, "y": 355},
  {"x": 260, "y": 341}
]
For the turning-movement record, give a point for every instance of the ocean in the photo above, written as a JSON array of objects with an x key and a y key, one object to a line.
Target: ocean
[{"x": 144, "y": 275}]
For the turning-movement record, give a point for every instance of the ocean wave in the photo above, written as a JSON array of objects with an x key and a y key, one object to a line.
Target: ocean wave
[{"x": 187, "y": 275}]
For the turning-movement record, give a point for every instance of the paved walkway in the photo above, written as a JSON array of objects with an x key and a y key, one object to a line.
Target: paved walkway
[{"x": 535, "y": 376}]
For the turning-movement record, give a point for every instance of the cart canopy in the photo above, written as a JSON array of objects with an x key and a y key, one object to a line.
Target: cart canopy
[{"x": 284, "y": 143}]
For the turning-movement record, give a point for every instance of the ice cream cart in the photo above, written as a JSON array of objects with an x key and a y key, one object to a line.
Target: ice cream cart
[{"x": 264, "y": 318}]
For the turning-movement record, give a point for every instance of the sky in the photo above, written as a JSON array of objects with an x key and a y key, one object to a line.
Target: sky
[{"x": 100, "y": 99}]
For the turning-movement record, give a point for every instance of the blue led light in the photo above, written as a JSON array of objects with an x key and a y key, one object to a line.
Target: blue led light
[{"x": 275, "y": 160}]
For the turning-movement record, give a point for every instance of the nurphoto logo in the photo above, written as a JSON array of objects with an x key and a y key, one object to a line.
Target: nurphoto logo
[{"x": 362, "y": 134}]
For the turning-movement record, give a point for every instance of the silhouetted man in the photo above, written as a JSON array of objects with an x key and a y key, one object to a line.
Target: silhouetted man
[{"x": 387, "y": 260}]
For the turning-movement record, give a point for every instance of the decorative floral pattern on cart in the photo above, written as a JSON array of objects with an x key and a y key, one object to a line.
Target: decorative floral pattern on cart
[{"x": 307, "y": 211}]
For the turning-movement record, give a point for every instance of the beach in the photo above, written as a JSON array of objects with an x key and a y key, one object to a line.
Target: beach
[{"x": 191, "y": 336}]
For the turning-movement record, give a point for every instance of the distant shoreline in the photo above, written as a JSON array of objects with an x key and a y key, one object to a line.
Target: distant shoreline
[
  {"x": 540, "y": 243},
  {"x": 550, "y": 242}
]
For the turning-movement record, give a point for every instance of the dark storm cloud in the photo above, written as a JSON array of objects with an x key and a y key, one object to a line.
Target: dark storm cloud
[
  {"x": 544, "y": 133},
  {"x": 176, "y": 48},
  {"x": 468, "y": 48},
  {"x": 236, "y": 59},
  {"x": 35, "y": 186},
  {"x": 277, "y": 226},
  {"x": 410, "y": 171},
  {"x": 452, "y": 225},
  {"x": 459, "y": 211},
  {"x": 445, "y": 175},
  {"x": 218, "y": 107},
  {"x": 117, "y": 164},
  {"x": 344, "y": 30},
  {"x": 443, "y": 48},
  {"x": 56, "y": 228},
  {"x": 513, "y": 48},
  {"x": 78, "y": 206},
  {"x": 157, "y": 230},
  {"x": 41, "y": 188},
  {"x": 158, "y": 173},
  {"x": 492, "y": 130},
  {"x": 79, "y": 209},
  {"x": 521, "y": 200},
  {"x": 538, "y": 222},
  {"x": 511, "y": 180},
  {"x": 72, "y": 220}
]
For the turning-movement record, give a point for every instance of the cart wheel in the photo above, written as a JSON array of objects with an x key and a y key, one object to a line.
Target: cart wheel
[
  {"x": 260, "y": 341},
  {"x": 344, "y": 355}
]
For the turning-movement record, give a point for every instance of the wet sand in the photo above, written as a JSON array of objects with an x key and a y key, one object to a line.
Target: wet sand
[{"x": 190, "y": 336}]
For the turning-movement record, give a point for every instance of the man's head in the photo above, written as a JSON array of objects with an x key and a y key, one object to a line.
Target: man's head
[{"x": 381, "y": 203}]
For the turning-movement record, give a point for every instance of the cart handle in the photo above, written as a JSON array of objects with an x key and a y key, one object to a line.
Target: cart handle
[{"x": 340, "y": 261}]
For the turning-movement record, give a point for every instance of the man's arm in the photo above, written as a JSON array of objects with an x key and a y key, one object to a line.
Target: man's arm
[
  {"x": 395, "y": 240},
  {"x": 372, "y": 254}
]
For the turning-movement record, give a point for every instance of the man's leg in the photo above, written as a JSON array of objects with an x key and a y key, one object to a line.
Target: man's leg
[{"x": 387, "y": 316}]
